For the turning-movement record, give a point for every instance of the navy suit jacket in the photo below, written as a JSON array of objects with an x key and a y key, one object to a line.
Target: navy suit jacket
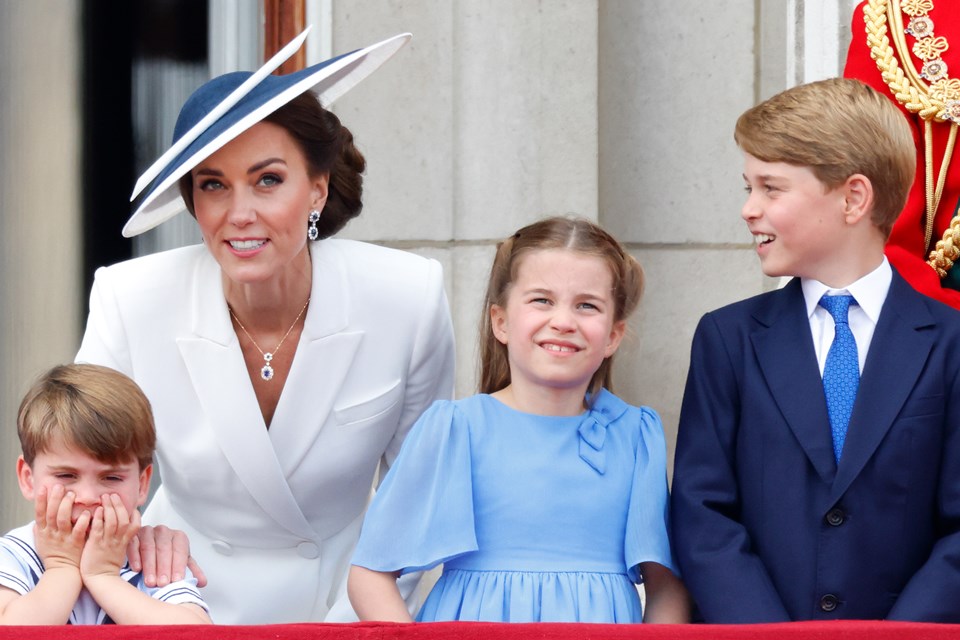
[{"x": 767, "y": 526}]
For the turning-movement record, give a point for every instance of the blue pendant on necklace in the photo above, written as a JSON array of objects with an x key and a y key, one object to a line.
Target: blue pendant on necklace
[{"x": 267, "y": 371}]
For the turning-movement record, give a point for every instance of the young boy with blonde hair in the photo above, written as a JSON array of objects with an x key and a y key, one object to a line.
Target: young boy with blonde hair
[
  {"x": 817, "y": 471},
  {"x": 87, "y": 437}
]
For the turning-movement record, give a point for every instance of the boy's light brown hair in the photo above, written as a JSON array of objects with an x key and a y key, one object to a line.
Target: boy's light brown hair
[
  {"x": 98, "y": 410},
  {"x": 837, "y": 127}
]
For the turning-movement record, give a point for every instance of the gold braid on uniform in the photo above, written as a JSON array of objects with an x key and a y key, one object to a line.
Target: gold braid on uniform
[{"x": 937, "y": 102}]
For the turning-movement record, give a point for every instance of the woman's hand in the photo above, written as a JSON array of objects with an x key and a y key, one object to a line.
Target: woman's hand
[{"x": 162, "y": 554}]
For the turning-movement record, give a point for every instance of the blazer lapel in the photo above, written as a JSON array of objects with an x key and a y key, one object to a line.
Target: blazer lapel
[
  {"x": 895, "y": 360},
  {"x": 795, "y": 383},
  {"x": 219, "y": 377},
  {"x": 324, "y": 357}
]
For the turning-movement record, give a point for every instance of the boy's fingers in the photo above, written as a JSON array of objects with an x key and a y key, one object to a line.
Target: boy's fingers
[
  {"x": 109, "y": 511},
  {"x": 96, "y": 523},
  {"x": 80, "y": 528},
  {"x": 54, "y": 498},
  {"x": 40, "y": 508},
  {"x": 120, "y": 511},
  {"x": 64, "y": 516}
]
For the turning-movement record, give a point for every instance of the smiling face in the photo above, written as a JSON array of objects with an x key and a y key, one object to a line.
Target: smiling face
[
  {"x": 798, "y": 223},
  {"x": 88, "y": 478},
  {"x": 252, "y": 199},
  {"x": 559, "y": 320}
]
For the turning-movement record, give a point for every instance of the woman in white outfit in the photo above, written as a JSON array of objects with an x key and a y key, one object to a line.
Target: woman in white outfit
[{"x": 283, "y": 366}]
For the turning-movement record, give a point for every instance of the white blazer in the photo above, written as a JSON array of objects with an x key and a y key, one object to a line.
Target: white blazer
[{"x": 273, "y": 515}]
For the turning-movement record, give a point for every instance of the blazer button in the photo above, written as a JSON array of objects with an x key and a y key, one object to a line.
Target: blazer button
[
  {"x": 835, "y": 517},
  {"x": 308, "y": 550},
  {"x": 221, "y": 547},
  {"x": 829, "y": 602}
]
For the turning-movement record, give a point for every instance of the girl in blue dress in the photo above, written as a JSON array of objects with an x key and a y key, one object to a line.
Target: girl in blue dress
[{"x": 545, "y": 496}]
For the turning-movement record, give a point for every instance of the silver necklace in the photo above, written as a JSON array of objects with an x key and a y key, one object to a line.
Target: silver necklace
[{"x": 267, "y": 371}]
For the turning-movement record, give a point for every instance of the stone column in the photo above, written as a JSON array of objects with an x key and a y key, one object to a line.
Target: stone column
[
  {"x": 40, "y": 205},
  {"x": 671, "y": 85},
  {"x": 486, "y": 121}
]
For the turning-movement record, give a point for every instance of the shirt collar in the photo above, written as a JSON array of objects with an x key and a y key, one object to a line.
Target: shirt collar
[{"x": 870, "y": 291}]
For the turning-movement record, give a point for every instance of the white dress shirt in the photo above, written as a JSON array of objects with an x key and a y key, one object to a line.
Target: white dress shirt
[{"x": 870, "y": 292}]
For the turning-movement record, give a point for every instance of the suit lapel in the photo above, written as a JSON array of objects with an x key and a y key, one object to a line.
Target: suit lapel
[
  {"x": 895, "y": 360},
  {"x": 323, "y": 360},
  {"x": 219, "y": 376},
  {"x": 795, "y": 382}
]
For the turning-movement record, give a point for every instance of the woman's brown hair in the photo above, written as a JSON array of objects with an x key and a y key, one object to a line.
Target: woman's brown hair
[{"x": 328, "y": 148}]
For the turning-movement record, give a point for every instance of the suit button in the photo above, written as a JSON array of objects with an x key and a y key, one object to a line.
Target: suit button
[
  {"x": 308, "y": 550},
  {"x": 221, "y": 547},
  {"x": 835, "y": 517},
  {"x": 829, "y": 602}
]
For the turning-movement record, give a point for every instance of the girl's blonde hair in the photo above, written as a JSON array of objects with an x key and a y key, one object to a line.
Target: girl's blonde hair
[{"x": 575, "y": 234}]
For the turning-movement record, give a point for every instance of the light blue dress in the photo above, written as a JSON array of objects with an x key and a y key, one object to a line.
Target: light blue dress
[{"x": 534, "y": 518}]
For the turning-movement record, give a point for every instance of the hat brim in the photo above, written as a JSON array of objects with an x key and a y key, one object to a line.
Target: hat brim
[{"x": 330, "y": 80}]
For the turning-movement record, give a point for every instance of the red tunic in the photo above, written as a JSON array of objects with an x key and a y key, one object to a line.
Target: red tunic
[{"x": 905, "y": 248}]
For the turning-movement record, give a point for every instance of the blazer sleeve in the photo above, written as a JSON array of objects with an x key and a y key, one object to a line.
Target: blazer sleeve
[
  {"x": 105, "y": 340},
  {"x": 728, "y": 581},
  {"x": 430, "y": 376}
]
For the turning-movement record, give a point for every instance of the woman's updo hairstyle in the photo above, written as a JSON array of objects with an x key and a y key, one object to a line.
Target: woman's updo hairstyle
[{"x": 328, "y": 148}]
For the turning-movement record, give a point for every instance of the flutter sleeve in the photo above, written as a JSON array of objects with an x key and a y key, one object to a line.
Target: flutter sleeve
[
  {"x": 648, "y": 518},
  {"x": 422, "y": 514}
]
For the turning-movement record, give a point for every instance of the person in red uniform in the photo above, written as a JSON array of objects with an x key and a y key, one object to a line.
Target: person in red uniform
[{"x": 902, "y": 48}]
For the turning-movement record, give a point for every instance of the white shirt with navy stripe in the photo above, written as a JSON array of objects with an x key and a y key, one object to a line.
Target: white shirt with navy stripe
[{"x": 21, "y": 568}]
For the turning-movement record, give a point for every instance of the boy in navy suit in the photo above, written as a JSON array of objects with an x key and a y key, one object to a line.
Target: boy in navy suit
[{"x": 817, "y": 471}]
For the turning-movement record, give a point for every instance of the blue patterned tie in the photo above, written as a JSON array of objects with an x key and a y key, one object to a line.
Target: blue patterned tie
[{"x": 841, "y": 373}]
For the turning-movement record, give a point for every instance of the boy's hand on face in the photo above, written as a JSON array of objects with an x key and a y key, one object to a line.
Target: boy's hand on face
[
  {"x": 111, "y": 530},
  {"x": 59, "y": 542}
]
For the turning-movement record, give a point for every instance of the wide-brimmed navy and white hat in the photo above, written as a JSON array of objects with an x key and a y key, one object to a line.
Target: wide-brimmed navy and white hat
[{"x": 228, "y": 105}]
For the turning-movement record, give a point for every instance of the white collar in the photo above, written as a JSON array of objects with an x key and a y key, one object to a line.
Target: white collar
[{"x": 870, "y": 291}]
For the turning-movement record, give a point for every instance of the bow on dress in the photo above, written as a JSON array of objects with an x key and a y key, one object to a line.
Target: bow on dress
[{"x": 593, "y": 431}]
